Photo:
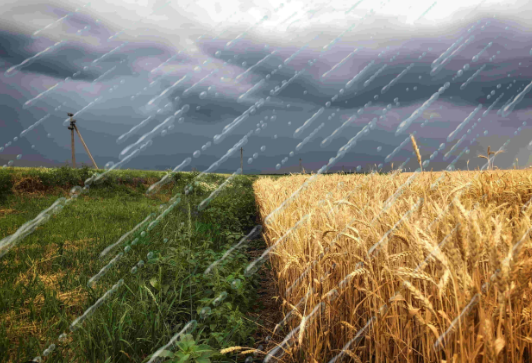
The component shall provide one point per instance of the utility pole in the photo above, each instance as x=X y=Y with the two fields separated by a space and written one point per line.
x=242 y=160
x=300 y=167
x=72 y=128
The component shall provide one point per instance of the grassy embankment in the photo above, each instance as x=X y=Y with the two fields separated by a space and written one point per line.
x=43 y=280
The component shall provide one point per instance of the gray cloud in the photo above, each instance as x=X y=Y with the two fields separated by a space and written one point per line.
x=126 y=72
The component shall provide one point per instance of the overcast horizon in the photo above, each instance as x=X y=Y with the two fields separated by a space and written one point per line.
x=303 y=80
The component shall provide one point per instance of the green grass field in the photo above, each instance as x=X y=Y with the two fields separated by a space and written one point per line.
x=43 y=279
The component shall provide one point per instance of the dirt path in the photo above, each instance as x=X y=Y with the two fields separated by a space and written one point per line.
x=270 y=312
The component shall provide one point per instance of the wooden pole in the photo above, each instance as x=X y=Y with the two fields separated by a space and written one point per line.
x=84 y=145
x=71 y=128
x=300 y=167
x=241 y=160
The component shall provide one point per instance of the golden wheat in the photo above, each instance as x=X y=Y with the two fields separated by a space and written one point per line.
x=428 y=276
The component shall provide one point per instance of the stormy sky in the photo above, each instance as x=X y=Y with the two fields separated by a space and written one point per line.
x=157 y=84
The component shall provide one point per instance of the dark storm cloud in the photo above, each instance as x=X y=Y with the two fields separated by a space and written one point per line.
x=394 y=46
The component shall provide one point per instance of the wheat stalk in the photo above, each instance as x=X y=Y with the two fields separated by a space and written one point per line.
x=494 y=153
x=231 y=349
x=416 y=149
x=409 y=272
x=352 y=355
x=443 y=282
x=302 y=330
x=419 y=296
x=250 y=351
x=398 y=256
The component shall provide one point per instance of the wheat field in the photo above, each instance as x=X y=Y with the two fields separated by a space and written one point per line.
x=445 y=278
